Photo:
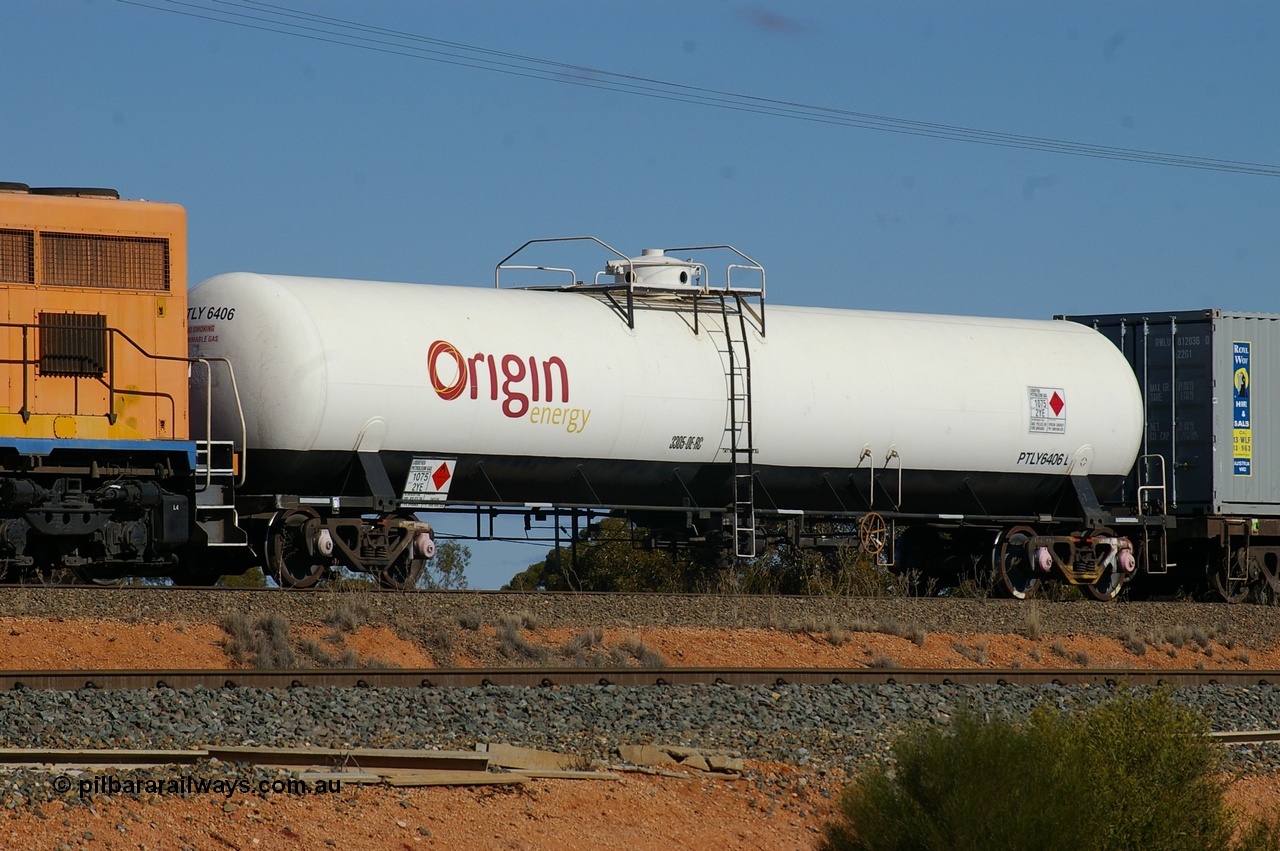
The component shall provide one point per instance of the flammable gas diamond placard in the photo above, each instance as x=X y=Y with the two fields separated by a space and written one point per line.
x=1048 y=410
x=428 y=480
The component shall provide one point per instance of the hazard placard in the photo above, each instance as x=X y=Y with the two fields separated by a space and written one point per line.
x=1048 y=410
x=428 y=480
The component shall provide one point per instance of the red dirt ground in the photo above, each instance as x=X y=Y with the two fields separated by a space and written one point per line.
x=637 y=811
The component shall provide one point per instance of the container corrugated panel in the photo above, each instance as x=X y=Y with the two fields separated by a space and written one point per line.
x=1209 y=382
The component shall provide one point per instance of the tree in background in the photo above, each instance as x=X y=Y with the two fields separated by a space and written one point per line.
x=447 y=569
x=611 y=556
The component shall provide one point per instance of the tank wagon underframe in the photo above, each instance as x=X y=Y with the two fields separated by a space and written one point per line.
x=682 y=506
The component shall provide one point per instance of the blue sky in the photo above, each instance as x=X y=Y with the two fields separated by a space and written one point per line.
x=303 y=157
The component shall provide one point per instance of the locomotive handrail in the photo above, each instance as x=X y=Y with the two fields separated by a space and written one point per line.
x=208 y=421
x=112 y=391
x=108 y=368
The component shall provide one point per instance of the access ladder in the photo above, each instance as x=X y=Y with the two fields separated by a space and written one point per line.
x=737 y=360
x=215 y=494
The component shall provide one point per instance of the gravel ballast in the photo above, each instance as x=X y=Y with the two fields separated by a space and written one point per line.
x=1247 y=624
x=818 y=727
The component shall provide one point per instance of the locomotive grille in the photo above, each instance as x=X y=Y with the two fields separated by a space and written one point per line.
x=111 y=262
x=17 y=257
x=73 y=345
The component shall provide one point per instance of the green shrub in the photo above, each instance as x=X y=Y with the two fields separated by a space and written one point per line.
x=1137 y=772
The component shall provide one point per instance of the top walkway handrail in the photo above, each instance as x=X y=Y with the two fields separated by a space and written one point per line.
x=573 y=278
x=728 y=272
x=627 y=262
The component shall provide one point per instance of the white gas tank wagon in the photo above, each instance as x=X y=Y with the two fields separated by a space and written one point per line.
x=690 y=404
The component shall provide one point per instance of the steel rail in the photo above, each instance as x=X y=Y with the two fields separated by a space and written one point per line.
x=64 y=680
x=1244 y=737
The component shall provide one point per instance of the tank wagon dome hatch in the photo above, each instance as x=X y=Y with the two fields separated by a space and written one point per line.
x=653 y=268
x=657 y=277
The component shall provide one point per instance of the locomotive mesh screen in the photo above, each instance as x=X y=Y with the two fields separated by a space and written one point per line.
x=113 y=262
x=16 y=257
x=73 y=345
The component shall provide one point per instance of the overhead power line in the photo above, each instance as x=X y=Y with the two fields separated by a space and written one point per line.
x=298 y=23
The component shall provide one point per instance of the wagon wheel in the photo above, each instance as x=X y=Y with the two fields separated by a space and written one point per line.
x=873 y=533
x=1231 y=581
x=1015 y=575
x=405 y=571
x=1108 y=585
x=291 y=559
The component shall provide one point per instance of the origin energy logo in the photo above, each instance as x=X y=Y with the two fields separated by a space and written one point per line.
x=526 y=386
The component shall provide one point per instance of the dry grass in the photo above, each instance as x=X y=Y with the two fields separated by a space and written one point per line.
x=1133 y=642
x=513 y=645
x=321 y=658
x=1034 y=628
x=976 y=653
x=586 y=649
x=348 y=616
x=840 y=634
x=437 y=638
x=644 y=655
x=263 y=643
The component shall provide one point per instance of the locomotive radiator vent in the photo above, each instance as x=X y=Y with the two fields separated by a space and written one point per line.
x=17 y=256
x=107 y=262
x=73 y=345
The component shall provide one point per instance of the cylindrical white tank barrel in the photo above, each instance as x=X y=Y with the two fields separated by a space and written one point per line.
x=331 y=366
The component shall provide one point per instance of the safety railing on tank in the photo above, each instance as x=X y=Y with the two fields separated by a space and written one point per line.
x=1149 y=485
x=105 y=374
x=873 y=472
x=699 y=288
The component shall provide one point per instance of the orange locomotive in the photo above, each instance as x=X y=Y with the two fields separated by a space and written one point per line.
x=97 y=471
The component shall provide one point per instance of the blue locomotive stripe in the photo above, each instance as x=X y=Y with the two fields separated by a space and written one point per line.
x=46 y=445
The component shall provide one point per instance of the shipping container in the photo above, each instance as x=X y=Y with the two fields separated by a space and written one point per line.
x=1212 y=419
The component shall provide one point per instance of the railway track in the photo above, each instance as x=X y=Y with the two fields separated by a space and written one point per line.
x=64 y=680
